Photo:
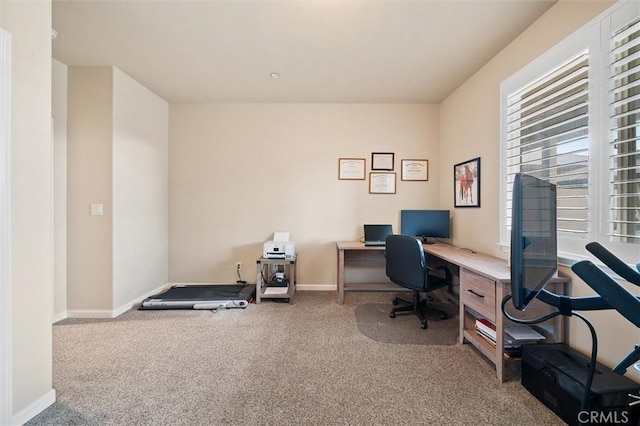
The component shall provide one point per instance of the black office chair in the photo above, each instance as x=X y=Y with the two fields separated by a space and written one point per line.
x=407 y=266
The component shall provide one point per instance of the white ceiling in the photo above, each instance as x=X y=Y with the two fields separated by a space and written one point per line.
x=324 y=50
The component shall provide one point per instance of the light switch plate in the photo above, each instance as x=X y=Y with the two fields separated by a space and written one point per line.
x=96 y=209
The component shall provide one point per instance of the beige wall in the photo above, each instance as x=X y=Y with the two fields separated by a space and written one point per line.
x=89 y=165
x=32 y=201
x=226 y=160
x=140 y=190
x=470 y=120
x=477 y=104
x=59 y=113
x=117 y=157
x=238 y=172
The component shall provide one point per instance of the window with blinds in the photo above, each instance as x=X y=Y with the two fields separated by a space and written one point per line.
x=547 y=136
x=624 y=152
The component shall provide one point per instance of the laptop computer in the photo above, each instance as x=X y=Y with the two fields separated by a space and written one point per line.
x=376 y=235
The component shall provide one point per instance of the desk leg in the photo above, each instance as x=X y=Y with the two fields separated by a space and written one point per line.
x=258 y=282
x=292 y=282
x=340 y=279
x=500 y=362
x=558 y=322
x=461 y=321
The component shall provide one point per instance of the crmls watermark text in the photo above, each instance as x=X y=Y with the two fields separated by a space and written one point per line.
x=600 y=417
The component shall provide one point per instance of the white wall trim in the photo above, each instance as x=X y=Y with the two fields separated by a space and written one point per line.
x=6 y=365
x=34 y=408
x=135 y=302
x=299 y=287
x=110 y=313
x=60 y=316
x=89 y=313
x=316 y=287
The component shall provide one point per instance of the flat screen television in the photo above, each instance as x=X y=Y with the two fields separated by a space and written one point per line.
x=425 y=224
x=534 y=241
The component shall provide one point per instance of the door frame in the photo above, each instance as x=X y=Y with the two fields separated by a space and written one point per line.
x=6 y=330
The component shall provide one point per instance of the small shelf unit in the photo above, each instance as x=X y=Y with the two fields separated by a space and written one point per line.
x=263 y=290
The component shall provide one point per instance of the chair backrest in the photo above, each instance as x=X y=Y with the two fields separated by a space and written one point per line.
x=406 y=264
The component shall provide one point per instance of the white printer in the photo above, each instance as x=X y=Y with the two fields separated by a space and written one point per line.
x=280 y=247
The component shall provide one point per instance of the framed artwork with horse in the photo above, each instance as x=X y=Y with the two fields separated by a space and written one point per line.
x=466 y=183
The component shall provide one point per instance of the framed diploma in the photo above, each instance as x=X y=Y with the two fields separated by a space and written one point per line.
x=351 y=168
x=415 y=170
x=382 y=161
x=382 y=183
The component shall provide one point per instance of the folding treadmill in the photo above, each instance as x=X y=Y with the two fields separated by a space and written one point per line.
x=215 y=296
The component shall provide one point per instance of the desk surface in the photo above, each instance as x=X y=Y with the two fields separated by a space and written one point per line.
x=482 y=264
x=356 y=245
x=488 y=266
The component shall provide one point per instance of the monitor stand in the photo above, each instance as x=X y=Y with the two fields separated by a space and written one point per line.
x=425 y=240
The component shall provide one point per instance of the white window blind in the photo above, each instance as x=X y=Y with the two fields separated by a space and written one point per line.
x=547 y=136
x=624 y=153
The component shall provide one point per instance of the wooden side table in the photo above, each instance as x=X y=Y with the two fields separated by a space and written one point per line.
x=264 y=268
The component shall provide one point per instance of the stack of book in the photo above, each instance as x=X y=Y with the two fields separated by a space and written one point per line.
x=515 y=335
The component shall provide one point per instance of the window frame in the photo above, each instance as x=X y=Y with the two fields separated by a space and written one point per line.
x=593 y=37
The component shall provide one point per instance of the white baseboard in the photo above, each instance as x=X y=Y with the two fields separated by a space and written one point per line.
x=169 y=285
x=107 y=313
x=299 y=287
x=34 y=408
x=112 y=313
x=316 y=287
x=136 y=301
x=89 y=313
x=60 y=316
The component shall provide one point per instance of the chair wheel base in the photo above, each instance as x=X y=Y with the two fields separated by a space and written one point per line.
x=418 y=307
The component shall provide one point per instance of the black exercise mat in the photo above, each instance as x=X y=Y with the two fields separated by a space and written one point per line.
x=190 y=294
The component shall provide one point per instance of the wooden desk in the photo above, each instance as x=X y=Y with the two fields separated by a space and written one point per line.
x=484 y=282
x=355 y=253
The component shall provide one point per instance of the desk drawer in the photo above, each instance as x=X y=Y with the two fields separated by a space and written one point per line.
x=479 y=293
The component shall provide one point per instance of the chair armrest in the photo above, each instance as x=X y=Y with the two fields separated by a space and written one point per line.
x=438 y=281
x=447 y=271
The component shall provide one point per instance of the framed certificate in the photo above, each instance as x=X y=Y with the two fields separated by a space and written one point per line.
x=382 y=161
x=351 y=168
x=382 y=183
x=415 y=170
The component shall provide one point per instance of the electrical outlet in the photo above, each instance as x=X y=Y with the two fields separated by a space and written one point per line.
x=238 y=266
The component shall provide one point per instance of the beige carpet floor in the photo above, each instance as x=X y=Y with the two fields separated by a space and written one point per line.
x=373 y=321
x=273 y=364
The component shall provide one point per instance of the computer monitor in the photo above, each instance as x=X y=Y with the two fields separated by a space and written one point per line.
x=425 y=224
x=534 y=244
